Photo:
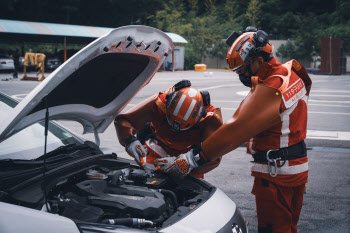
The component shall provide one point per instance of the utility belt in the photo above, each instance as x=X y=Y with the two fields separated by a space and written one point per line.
x=287 y=153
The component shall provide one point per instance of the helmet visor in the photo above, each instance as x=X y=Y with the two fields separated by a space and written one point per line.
x=241 y=69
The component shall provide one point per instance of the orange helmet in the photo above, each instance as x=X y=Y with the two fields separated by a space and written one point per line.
x=185 y=106
x=243 y=46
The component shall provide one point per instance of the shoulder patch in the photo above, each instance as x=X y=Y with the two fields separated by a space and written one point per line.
x=294 y=93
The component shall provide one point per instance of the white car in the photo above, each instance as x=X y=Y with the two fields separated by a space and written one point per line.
x=6 y=64
x=61 y=183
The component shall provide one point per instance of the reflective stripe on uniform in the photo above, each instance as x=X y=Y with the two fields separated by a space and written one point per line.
x=284 y=170
x=193 y=103
x=192 y=92
x=284 y=139
x=179 y=104
x=252 y=151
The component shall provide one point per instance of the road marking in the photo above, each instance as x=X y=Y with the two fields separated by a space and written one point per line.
x=330 y=135
x=326 y=105
x=340 y=91
x=214 y=87
x=234 y=109
x=346 y=96
x=244 y=93
x=322 y=101
x=330 y=101
x=330 y=149
x=227 y=101
x=331 y=113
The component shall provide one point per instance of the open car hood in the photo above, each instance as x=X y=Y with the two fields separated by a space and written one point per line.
x=94 y=85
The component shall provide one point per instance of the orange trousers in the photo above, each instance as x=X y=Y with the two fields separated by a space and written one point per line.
x=152 y=155
x=278 y=208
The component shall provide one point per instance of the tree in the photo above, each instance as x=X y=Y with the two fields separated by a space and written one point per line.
x=253 y=13
x=210 y=6
x=286 y=51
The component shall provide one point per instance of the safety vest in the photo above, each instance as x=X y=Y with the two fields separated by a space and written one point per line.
x=294 y=84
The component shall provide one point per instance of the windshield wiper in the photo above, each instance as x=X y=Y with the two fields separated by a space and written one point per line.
x=56 y=151
x=59 y=156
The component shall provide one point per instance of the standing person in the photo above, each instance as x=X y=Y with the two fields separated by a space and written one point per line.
x=179 y=119
x=272 y=119
x=15 y=57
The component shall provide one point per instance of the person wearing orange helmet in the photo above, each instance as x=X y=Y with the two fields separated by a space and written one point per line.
x=272 y=120
x=169 y=124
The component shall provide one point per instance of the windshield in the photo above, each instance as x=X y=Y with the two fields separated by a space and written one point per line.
x=29 y=143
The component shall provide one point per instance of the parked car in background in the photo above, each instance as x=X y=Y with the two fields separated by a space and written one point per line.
x=6 y=63
x=30 y=67
x=52 y=63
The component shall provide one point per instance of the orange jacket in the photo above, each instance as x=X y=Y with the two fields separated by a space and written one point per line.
x=290 y=130
x=172 y=143
x=276 y=92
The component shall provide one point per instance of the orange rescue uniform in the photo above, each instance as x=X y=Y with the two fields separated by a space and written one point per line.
x=279 y=199
x=167 y=142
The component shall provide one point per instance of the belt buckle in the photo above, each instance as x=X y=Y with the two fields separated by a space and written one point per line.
x=270 y=161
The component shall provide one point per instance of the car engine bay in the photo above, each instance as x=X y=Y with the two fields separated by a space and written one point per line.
x=128 y=197
x=112 y=191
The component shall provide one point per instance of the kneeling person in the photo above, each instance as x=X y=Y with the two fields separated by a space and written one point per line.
x=179 y=119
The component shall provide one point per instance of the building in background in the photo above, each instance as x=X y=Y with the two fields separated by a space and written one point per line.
x=24 y=32
x=178 y=55
x=333 y=59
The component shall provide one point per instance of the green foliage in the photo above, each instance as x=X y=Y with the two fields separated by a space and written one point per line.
x=286 y=51
x=219 y=49
x=254 y=13
x=192 y=57
x=210 y=6
x=202 y=22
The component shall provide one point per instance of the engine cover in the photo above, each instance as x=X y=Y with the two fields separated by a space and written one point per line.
x=135 y=200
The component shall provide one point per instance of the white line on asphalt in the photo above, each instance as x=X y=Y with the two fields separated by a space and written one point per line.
x=330 y=101
x=347 y=96
x=194 y=80
x=323 y=105
x=327 y=105
x=226 y=101
x=331 y=113
x=340 y=91
x=214 y=87
x=322 y=101
x=234 y=109
x=330 y=135
x=244 y=93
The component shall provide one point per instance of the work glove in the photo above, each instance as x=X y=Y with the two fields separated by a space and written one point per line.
x=136 y=150
x=183 y=164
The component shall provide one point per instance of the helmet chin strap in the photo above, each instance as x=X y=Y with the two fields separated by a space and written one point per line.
x=246 y=80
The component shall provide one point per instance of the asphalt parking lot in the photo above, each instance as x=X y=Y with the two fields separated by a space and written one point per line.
x=326 y=205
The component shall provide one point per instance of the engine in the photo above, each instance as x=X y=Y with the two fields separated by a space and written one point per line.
x=129 y=197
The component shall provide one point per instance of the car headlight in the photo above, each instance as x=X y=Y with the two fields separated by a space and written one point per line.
x=236 y=224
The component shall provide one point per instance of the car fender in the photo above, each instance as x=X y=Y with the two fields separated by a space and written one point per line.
x=14 y=219
x=211 y=216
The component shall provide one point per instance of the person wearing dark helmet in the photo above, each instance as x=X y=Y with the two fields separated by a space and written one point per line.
x=272 y=120
x=169 y=124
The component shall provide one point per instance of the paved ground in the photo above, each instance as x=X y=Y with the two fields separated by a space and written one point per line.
x=327 y=201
